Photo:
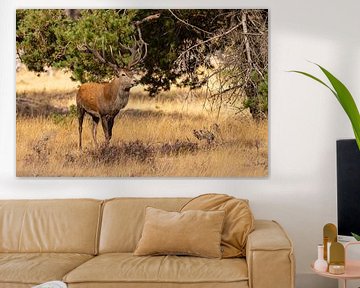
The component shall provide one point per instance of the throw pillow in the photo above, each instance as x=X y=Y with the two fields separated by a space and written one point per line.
x=196 y=233
x=238 y=223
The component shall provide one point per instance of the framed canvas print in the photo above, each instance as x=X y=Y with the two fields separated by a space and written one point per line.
x=142 y=92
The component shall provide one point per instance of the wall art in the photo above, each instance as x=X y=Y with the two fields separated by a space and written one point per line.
x=134 y=93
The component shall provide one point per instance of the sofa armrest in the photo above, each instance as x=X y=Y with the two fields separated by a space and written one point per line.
x=269 y=255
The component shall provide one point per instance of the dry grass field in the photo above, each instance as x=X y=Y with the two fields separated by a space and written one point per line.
x=151 y=136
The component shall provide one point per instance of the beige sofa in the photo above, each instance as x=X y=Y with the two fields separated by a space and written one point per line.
x=89 y=243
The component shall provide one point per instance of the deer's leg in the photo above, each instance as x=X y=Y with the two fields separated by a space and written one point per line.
x=110 y=126
x=94 y=128
x=104 y=122
x=81 y=114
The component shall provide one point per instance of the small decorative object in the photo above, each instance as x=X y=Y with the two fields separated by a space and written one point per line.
x=337 y=258
x=330 y=236
x=336 y=269
x=320 y=264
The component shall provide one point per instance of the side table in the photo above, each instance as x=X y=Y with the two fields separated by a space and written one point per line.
x=352 y=269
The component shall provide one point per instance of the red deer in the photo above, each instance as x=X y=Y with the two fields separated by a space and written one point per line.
x=103 y=101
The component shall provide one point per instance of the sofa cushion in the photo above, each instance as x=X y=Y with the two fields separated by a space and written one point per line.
x=126 y=268
x=123 y=220
x=63 y=226
x=193 y=232
x=238 y=223
x=36 y=268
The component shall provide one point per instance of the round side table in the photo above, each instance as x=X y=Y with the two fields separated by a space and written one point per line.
x=352 y=269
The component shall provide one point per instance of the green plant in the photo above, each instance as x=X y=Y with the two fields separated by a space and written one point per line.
x=356 y=236
x=65 y=118
x=344 y=97
x=257 y=96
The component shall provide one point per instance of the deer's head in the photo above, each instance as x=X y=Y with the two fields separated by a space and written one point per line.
x=126 y=78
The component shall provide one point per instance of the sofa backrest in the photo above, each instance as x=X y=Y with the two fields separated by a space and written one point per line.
x=123 y=220
x=67 y=226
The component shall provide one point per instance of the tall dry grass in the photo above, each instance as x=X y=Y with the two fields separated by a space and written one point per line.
x=151 y=137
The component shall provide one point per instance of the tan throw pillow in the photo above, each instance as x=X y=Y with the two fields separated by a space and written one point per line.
x=239 y=220
x=196 y=233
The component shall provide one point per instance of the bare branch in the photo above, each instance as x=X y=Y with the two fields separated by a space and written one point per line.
x=147 y=19
x=208 y=40
x=247 y=45
x=239 y=72
x=188 y=24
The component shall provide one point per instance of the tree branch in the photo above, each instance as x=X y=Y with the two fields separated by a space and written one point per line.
x=147 y=19
x=247 y=45
x=188 y=24
x=208 y=40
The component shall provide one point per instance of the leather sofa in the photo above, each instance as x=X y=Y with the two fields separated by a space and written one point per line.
x=89 y=243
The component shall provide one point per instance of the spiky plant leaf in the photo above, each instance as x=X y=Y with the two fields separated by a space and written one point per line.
x=356 y=236
x=344 y=97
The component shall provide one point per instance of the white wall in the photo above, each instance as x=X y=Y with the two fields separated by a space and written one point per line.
x=305 y=121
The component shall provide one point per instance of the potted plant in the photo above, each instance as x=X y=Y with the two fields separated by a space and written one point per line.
x=346 y=100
